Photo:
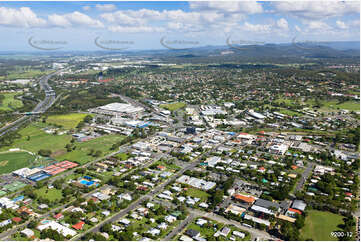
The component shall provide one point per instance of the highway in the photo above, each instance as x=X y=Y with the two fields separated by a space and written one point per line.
x=42 y=106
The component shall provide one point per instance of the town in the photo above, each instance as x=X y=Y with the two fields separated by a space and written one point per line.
x=216 y=144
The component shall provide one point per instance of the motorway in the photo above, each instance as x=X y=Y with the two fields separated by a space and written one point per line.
x=41 y=107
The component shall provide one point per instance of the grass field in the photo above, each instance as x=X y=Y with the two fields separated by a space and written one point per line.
x=173 y=106
x=50 y=194
x=333 y=105
x=103 y=144
x=319 y=225
x=9 y=102
x=197 y=193
x=68 y=121
x=39 y=140
x=56 y=143
x=12 y=161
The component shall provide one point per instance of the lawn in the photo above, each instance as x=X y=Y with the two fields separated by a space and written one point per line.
x=319 y=225
x=333 y=105
x=56 y=143
x=80 y=154
x=50 y=194
x=9 y=102
x=193 y=192
x=67 y=121
x=39 y=140
x=12 y=161
x=173 y=106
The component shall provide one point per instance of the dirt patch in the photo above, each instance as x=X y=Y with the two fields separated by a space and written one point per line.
x=58 y=153
x=4 y=162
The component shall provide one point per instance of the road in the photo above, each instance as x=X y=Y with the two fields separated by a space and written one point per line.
x=304 y=176
x=179 y=228
x=42 y=106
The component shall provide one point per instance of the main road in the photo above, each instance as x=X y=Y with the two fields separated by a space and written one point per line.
x=41 y=107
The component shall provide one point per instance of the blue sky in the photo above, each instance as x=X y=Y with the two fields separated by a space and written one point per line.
x=158 y=25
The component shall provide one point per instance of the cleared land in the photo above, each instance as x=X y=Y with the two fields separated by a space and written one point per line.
x=9 y=102
x=15 y=160
x=81 y=153
x=38 y=139
x=50 y=194
x=173 y=106
x=67 y=121
x=319 y=225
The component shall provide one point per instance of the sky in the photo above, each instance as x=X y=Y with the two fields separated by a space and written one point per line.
x=41 y=26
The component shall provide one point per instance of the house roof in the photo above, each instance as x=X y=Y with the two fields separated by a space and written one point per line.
x=59 y=215
x=78 y=225
x=16 y=219
x=266 y=204
x=192 y=232
x=244 y=198
x=295 y=210
x=299 y=204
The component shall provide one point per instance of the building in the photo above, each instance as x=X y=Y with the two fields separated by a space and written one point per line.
x=27 y=232
x=299 y=205
x=265 y=206
x=197 y=183
x=119 y=109
x=49 y=224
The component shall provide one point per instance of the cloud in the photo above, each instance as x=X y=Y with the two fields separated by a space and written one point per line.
x=282 y=24
x=74 y=19
x=22 y=17
x=245 y=7
x=105 y=7
x=316 y=10
x=341 y=24
x=86 y=8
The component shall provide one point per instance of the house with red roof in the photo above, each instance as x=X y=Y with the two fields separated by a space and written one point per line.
x=16 y=219
x=78 y=226
x=58 y=216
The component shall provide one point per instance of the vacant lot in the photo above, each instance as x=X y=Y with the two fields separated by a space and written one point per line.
x=68 y=121
x=9 y=102
x=193 y=192
x=81 y=153
x=173 y=106
x=50 y=194
x=34 y=138
x=319 y=225
x=12 y=161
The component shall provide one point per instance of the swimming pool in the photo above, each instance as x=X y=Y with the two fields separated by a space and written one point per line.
x=87 y=183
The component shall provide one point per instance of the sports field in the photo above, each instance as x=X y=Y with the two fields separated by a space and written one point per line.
x=319 y=225
x=68 y=121
x=173 y=106
x=12 y=161
x=9 y=102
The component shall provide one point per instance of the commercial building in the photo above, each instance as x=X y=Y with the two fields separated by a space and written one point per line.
x=119 y=109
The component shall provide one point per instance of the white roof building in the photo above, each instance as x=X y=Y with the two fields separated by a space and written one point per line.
x=65 y=231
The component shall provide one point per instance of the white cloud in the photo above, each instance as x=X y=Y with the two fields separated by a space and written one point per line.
x=86 y=8
x=316 y=10
x=246 y=7
x=22 y=17
x=74 y=19
x=341 y=24
x=282 y=24
x=105 y=7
